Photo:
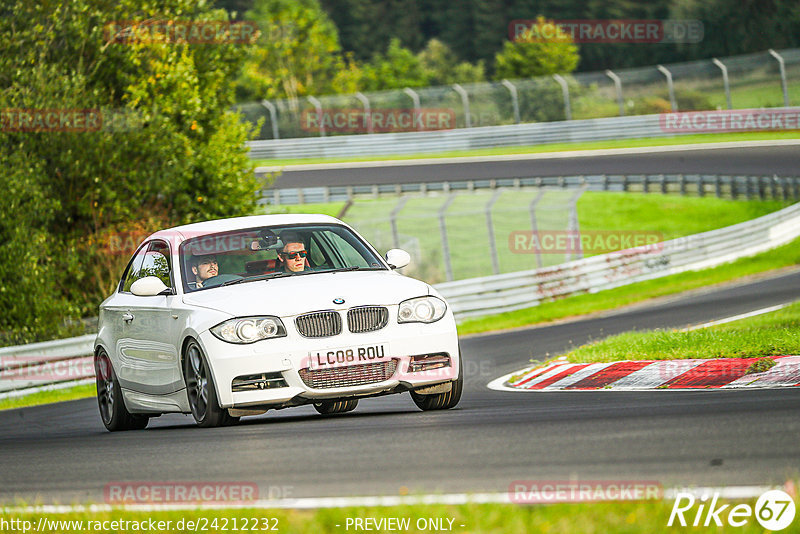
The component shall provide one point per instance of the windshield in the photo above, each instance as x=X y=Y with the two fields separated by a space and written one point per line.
x=241 y=256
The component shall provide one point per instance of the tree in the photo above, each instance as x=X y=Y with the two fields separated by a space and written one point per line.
x=152 y=143
x=443 y=68
x=398 y=68
x=297 y=54
x=546 y=49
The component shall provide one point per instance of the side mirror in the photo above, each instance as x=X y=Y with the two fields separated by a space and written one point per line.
x=398 y=258
x=149 y=286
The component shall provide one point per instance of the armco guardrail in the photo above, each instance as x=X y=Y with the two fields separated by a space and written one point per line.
x=489 y=136
x=50 y=362
x=459 y=139
x=53 y=362
x=514 y=291
x=721 y=186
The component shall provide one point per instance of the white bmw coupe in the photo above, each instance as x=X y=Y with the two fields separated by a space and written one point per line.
x=229 y=318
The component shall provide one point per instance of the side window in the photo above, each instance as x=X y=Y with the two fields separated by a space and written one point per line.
x=152 y=260
x=131 y=275
x=350 y=255
x=155 y=264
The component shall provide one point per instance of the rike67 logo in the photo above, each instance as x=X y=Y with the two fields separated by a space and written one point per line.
x=774 y=510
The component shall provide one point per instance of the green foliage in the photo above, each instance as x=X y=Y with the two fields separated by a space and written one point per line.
x=297 y=53
x=444 y=68
x=166 y=149
x=538 y=54
x=398 y=68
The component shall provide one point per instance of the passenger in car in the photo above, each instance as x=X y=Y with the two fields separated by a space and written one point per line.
x=293 y=254
x=203 y=268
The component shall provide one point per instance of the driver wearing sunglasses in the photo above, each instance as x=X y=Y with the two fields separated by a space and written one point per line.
x=293 y=255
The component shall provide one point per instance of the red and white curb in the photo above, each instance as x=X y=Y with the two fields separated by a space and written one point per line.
x=632 y=375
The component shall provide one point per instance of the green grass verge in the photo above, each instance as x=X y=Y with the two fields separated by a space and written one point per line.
x=785 y=256
x=772 y=334
x=554 y=147
x=588 y=518
x=46 y=397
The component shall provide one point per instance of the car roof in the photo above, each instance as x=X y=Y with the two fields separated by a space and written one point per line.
x=236 y=223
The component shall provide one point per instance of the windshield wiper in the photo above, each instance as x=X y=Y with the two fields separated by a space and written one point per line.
x=267 y=276
x=342 y=269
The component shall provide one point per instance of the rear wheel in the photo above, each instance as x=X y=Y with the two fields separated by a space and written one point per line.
x=201 y=391
x=113 y=412
x=339 y=406
x=442 y=401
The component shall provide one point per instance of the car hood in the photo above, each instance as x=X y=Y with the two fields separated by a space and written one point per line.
x=300 y=294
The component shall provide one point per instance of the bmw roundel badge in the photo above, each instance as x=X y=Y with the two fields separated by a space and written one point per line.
x=338 y=300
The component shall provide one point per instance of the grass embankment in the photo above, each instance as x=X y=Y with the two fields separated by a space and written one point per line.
x=46 y=397
x=619 y=517
x=785 y=256
x=772 y=334
x=554 y=147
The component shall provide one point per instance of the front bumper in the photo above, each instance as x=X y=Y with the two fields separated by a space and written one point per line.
x=289 y=355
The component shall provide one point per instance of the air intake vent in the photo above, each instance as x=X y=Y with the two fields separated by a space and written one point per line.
x=319 y=324
x=353 y=375
x=367 y=319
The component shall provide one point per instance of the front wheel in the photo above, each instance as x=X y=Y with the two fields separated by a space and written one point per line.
x=113 y=412
x=339 y=406
x=201 y=391
x=442 y=401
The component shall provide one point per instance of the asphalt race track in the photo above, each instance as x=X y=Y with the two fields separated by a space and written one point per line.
x=759 y=160
x=62 y=452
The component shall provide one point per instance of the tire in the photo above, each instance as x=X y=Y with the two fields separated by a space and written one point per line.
x=201 y=391
x=114 y=414
x=338 y=406
x=442 y=401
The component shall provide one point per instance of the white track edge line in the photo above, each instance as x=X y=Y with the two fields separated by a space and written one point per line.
x=737 y=317
x=307 y=503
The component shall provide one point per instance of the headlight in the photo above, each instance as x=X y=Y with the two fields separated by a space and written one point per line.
x=249 y=329
x=421 y=310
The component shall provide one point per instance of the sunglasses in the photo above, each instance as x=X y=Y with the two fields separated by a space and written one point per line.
x=294 y=255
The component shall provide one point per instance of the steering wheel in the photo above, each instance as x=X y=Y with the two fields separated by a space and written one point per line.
x=220 y=279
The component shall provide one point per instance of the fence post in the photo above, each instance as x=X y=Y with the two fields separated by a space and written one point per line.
x=443 y=231
x=464 y=102
x=717 y=186
x=782 y=67
x=318 y=106
x=618 y=86
x=514 y=99
x=415 y=99
x=535 y=227
x=273 y=117
x=573 y=225
x=682 y=181
x=367 y=110
x=724 y=70
x=490 y=229
x=393 y=220
x=564 y=91
x=673 y=104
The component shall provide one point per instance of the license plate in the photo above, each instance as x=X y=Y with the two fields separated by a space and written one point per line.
x=342 y=357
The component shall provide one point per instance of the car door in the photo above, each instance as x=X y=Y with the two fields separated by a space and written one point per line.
x=146 y=350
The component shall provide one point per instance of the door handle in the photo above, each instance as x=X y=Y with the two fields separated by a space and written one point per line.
x=127 y=317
